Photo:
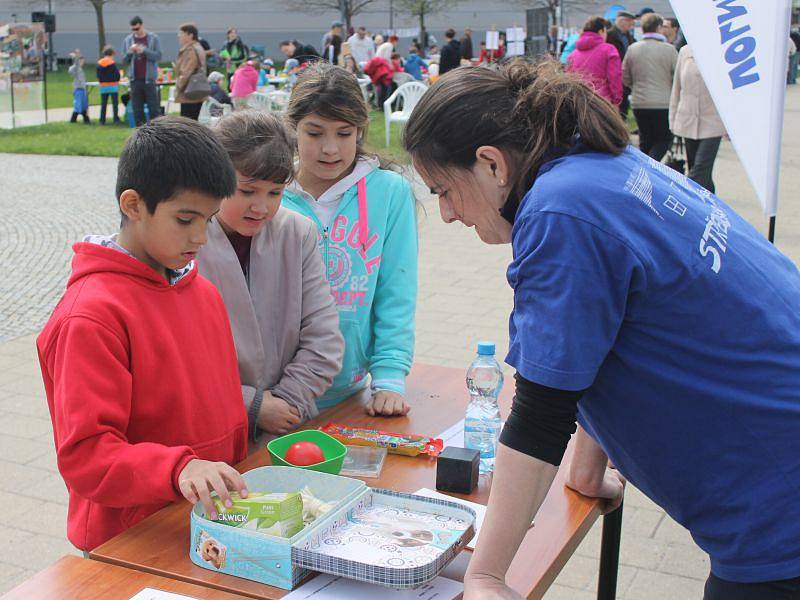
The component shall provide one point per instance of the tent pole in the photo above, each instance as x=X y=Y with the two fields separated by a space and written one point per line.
x=771 y=236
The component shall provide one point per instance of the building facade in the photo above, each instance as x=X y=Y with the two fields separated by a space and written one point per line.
x=267 y=22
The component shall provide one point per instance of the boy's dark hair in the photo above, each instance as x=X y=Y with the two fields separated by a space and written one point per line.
x=450 y=34
x=259 y=145
x=285 y=43
x=172 y=155
x=108 y=50
x=191 y=29
x=137 y=20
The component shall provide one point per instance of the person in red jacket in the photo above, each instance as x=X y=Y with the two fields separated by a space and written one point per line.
x=138 y=359
x=597 y=61
x=380 y=71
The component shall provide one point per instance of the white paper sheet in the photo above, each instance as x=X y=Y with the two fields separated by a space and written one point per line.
x=454 y=436
x=515 y=49
x=331 y=587
x=153 y=594
x=492 y=40
x=515 y=34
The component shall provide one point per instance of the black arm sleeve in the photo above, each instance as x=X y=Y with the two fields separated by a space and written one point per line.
x=542 y=420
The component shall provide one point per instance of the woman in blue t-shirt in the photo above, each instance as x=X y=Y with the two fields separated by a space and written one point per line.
x=645 y=310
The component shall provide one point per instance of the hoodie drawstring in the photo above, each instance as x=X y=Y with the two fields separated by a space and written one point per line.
x=363 y=216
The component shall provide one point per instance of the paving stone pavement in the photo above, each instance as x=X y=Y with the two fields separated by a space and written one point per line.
x=46 y=203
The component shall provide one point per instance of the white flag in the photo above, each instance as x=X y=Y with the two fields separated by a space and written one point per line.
x=741 y=48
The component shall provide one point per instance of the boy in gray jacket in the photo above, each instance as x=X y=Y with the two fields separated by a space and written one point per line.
x=80 y=99
x=264 y=261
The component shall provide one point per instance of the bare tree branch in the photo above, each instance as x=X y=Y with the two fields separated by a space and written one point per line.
x=584 y=6
x=422 y=9
x=98 y=6
x=347 y=9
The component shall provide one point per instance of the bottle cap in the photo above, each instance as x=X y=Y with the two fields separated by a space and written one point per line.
x=486 y=348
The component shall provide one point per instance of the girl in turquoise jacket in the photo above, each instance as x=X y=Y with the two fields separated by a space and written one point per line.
x=368 y=237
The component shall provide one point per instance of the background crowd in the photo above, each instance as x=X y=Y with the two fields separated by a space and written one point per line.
x=655 y=76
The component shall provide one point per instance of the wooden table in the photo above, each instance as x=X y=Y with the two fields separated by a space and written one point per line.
x=438 y=398
x=73 y=577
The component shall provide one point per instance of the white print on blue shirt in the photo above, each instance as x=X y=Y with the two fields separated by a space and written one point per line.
x=714 y=239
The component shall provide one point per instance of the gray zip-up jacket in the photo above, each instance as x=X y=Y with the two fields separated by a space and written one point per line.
x=78 y=76
x=284 y=321
x=152 y=53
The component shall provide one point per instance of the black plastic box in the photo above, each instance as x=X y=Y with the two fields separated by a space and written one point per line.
x=457 y=470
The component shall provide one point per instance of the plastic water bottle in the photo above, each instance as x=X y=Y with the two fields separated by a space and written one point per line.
x=482 y=422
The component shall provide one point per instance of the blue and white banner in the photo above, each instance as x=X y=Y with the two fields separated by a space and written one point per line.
x=741 y=48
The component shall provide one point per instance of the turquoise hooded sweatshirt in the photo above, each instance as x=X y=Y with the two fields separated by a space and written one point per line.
x=370 y=253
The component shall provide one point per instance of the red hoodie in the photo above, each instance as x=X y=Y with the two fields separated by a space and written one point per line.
x=141 y=377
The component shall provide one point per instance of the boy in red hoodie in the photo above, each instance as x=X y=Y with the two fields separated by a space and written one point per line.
x=138 y=358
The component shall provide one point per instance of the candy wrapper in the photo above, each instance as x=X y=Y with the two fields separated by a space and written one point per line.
x=408 y=444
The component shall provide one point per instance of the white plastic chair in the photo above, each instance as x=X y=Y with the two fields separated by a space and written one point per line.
x=409 y=93
x=206 y=118
x=170 y=99
x=364 y=83
x=279 y=100
x=401 y=77
x=260 y=101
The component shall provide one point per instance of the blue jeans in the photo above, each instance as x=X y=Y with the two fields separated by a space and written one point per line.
x=701 y=154
x=794 y=60
x=144 y=92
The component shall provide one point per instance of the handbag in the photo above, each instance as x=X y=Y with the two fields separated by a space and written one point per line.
x=198 y=87
x=676 y=156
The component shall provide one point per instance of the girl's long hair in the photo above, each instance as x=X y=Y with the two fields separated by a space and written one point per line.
x=333 y=93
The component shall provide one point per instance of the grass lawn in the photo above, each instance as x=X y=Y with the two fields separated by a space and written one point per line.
x=77 y=139
x=59 y=88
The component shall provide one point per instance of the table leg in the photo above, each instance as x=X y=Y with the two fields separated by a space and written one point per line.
x=609 y=555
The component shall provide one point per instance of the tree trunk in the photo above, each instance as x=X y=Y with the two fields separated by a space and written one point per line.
x=423 y=35
x=101 y=26
x=344 y=9
x=553 y=4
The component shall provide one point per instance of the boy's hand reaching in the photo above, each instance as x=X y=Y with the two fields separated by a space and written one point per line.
x=277 y=416
x=386 y=403
x=200 y=477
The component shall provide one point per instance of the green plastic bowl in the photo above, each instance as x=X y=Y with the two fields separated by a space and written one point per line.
x=333 y=450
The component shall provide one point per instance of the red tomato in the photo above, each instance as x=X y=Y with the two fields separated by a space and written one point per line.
x=303 y=454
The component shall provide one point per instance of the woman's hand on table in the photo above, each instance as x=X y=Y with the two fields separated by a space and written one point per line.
x=277 y=416
x=592 y=474
x=200 y=477
x=386 y=403
x=611 y=488
x=484 y=587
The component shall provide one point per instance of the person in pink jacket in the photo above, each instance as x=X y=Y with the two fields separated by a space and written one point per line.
x=244 y=83
x=597 y=61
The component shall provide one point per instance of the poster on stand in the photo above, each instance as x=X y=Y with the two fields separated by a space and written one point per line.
x=23 y=48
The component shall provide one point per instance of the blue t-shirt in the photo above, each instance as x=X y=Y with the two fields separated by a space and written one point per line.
x=683 y=322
